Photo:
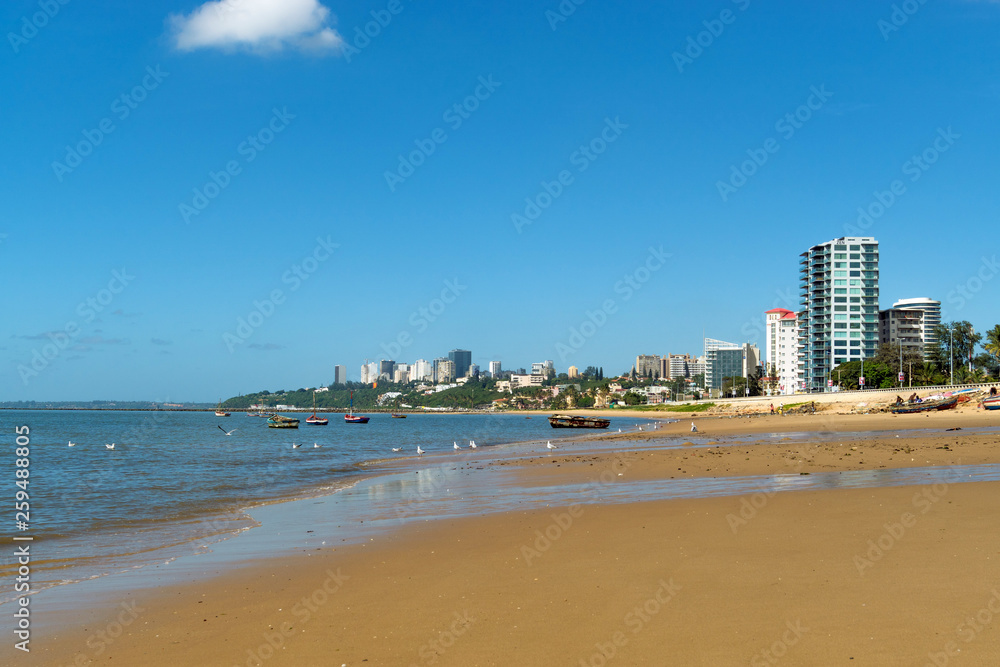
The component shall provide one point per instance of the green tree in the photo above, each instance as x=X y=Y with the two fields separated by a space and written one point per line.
x=992 y=345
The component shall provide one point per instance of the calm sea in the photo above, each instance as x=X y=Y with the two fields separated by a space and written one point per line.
x=175 y=483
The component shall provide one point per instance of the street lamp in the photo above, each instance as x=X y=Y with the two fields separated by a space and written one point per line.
x=951 y=352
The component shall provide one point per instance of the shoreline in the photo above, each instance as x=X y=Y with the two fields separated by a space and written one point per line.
x=575 y=465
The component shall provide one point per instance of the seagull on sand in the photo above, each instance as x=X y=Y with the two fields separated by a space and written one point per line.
x=472 y=444
x=225 y=431
x=419 y=451
x=640 y=428
x=455 y=445
x=549 y=445
x=72 y=444
x=111 y=446
x=397 y=449
x=694 y=429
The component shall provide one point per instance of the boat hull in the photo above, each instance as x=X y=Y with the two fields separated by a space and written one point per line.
x=317 y=421
x=926 y=406
x=992 y=403
x=573 y=421
x=280 y=421
x=355 y=419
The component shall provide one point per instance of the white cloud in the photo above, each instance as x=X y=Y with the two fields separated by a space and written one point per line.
x=258 y=25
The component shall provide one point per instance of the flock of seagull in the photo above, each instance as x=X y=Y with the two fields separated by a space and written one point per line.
x=420 y=451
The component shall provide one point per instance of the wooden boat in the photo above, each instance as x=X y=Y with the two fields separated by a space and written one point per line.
x=351 y=418
x=576 y=421
x=314 y=420
x=281 y=421
x=991 y=402
x=219 y=412
x=926 y=406
x=395 y=416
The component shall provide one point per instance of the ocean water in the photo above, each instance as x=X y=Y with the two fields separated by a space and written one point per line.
x=175 y=483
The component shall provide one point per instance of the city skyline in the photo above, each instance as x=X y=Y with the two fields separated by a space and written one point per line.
x=209 y=211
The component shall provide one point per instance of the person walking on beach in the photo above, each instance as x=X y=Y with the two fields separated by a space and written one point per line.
x=772 y=408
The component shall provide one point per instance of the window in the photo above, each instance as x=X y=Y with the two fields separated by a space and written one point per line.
x=839 y=282
x=840 y=317
x=854 y=274
x=841 y=291
x=855 y=265
x=840 y=299
x=855 y=247
x=840 y=325
x=840 y=265
x=840 y=334
x=839 y=308
x=840 y=274
x=856 y=291
x=840 y=255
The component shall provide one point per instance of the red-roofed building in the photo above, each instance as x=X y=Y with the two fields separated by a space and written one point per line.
x=781 y=357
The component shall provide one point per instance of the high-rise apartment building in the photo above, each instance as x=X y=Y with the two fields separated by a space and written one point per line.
x=782 y=350
x=931 y=310
x=495 y=369
x=462 y=360
x=385 y=369
x=444 y=370
x=572 y=372
x=839 y=284
x=648 y=365
x=340 y=375
x=421 y=370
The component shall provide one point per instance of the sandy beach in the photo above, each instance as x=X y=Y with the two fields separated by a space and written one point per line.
x=906 y=575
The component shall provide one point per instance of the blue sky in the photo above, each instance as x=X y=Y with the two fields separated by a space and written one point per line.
x=301 y=120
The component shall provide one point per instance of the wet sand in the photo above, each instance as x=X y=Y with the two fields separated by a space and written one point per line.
x=882 y=576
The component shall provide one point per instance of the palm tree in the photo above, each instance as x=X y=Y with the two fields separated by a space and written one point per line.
x=993 y=341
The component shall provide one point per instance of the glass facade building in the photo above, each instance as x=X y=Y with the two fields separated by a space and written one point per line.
x=838 y=283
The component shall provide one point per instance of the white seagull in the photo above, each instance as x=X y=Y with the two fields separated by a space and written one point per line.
x=316 y=446
x=694 y=429
x=550 y=445
x=111 y=446
x=472 y=444
x=619 y=430
x=72 y=444
x=225 y=431
x=397 y=449
x=294 y=446
x=640 y=428
x=419 y=451
x=455 y=445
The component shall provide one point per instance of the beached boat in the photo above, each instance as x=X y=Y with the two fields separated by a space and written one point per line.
x=281 y=421
x=991 y=402
x=313 y=419
x=219 y=412
x=351 y=418
x=925 y=406
x=576 y=421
